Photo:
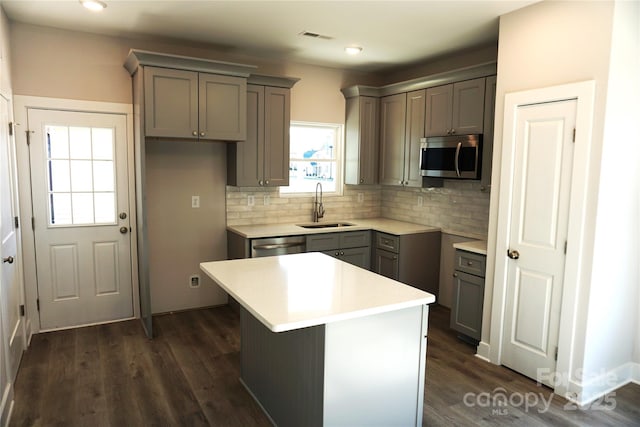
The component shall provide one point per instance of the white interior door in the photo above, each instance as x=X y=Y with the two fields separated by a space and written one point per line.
x=11 y=292
x=542 y=162
x=81 y=213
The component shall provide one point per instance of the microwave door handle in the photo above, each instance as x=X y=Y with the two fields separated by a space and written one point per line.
x=458 y=158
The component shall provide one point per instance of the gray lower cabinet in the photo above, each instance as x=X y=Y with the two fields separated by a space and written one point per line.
x=468 y=293
x=263 y=158
x=413 y=259
x=353 y=247
x=190 y=104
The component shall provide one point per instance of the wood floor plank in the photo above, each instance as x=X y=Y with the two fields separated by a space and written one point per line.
x=112 y=375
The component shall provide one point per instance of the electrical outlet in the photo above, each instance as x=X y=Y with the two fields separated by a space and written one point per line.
x=251 y=200
x=194 y=281
x=267 y=200
x=420 y=201
x=360 y=197
x=195 y=201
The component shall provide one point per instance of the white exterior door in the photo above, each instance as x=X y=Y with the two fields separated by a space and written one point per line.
x=81 y=211
x=542 y=166
x=11 y=292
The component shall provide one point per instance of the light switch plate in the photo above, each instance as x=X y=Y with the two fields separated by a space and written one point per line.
x=195 y=201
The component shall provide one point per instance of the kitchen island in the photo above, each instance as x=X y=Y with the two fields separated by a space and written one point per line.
x=326 y=343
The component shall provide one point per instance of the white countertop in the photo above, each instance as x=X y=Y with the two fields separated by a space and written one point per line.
x=289 y=292
x=384 y=225
x=475 y=246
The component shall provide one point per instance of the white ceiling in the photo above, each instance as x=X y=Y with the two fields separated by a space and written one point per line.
x=392 y=33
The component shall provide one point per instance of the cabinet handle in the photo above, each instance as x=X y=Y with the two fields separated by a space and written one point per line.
x=453 y=131
x=202 y=134
x=341 y=252
x=361 y=180
x=455 y=274
x=337 y=253
x=266 y=182
x=395 y=257
x=260 y=183
x=469 y=263
x=194 y=133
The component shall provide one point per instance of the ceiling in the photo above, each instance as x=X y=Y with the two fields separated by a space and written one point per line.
x=392 y=33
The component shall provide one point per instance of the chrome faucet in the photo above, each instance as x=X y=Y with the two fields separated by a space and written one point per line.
x=318 y=208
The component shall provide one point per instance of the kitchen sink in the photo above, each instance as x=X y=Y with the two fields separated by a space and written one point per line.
x=325 y=225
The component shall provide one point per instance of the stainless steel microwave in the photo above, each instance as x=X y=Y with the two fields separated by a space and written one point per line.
x=453 y=156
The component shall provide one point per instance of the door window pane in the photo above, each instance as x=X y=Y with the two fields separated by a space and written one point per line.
x=81 y=175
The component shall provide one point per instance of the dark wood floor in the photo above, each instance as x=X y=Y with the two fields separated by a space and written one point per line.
x=111 y=375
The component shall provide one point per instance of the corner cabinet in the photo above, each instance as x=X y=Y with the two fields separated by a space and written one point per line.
x=456 y=108
x=262 y=159
x=361 y=143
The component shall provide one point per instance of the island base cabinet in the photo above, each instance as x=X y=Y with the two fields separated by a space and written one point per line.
x=364 y=371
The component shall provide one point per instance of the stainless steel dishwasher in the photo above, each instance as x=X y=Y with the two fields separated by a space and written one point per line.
x=278 y=246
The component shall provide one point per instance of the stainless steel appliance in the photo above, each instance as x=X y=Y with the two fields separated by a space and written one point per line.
x=453 y=156
x=278 y=246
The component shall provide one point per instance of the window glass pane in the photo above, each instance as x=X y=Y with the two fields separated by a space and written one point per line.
x=57 y=142
x=102 y=143
x=59 y=179
x=80 y=143
x=105 y=207
x=82 y=205
x=60 y=208
x=81 y=175
x=314 y=155
x=103 y=176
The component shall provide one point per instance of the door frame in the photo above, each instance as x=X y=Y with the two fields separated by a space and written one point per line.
x=21 y=104
x=580 y=241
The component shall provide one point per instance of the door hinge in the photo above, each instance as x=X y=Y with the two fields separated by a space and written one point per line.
x=10 y=128
x=574 y=134
x=565 y=247
x=28 y=137
x=22 y=310
x=38 y=304
x=556 y=355
x=33 y=223
x=16 y=222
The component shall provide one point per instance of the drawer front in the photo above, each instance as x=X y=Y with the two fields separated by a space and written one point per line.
x=470 y=263
x=388 y=242
x=323 y=242
x=355 y=239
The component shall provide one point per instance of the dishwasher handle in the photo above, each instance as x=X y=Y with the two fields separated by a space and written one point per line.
x=269 y=246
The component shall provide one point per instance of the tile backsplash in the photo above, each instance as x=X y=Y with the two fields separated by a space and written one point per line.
x=458 y=208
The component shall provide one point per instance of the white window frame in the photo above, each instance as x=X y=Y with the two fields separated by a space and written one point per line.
x=338 y=156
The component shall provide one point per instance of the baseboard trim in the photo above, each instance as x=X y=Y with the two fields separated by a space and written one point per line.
x=592 y=391
x=482 y=351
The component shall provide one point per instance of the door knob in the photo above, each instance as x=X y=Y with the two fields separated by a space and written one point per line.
x=8 y=259
x=513 y=254
x=124 y=230
x=123 y=215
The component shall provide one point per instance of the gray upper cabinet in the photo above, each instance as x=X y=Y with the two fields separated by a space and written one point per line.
x=189 y=104
x=456 y=108
x=401 y=127
x=393 y=113
x=361 y=144
x=263 y=158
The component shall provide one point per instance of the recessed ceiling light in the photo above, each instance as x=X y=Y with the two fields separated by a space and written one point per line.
x=353 y=50
x=93 y=5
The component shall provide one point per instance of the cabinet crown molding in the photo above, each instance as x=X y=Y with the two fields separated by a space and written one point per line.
x=439 y=79
x=137 y=57
x=273 y=81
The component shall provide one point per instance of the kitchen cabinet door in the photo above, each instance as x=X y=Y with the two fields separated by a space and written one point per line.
x=393 y=111
x=277 y=106
x=171 y=103
x=456 y=108
x=222 y=107
x=466 y=311
x=439 y=110
x=360 y=257
x=386 y=263
x=414 y=131
x=468 y=107
x=245 y=164
x=361 y=143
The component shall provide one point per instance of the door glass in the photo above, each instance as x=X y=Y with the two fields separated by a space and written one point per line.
x=81 y=174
